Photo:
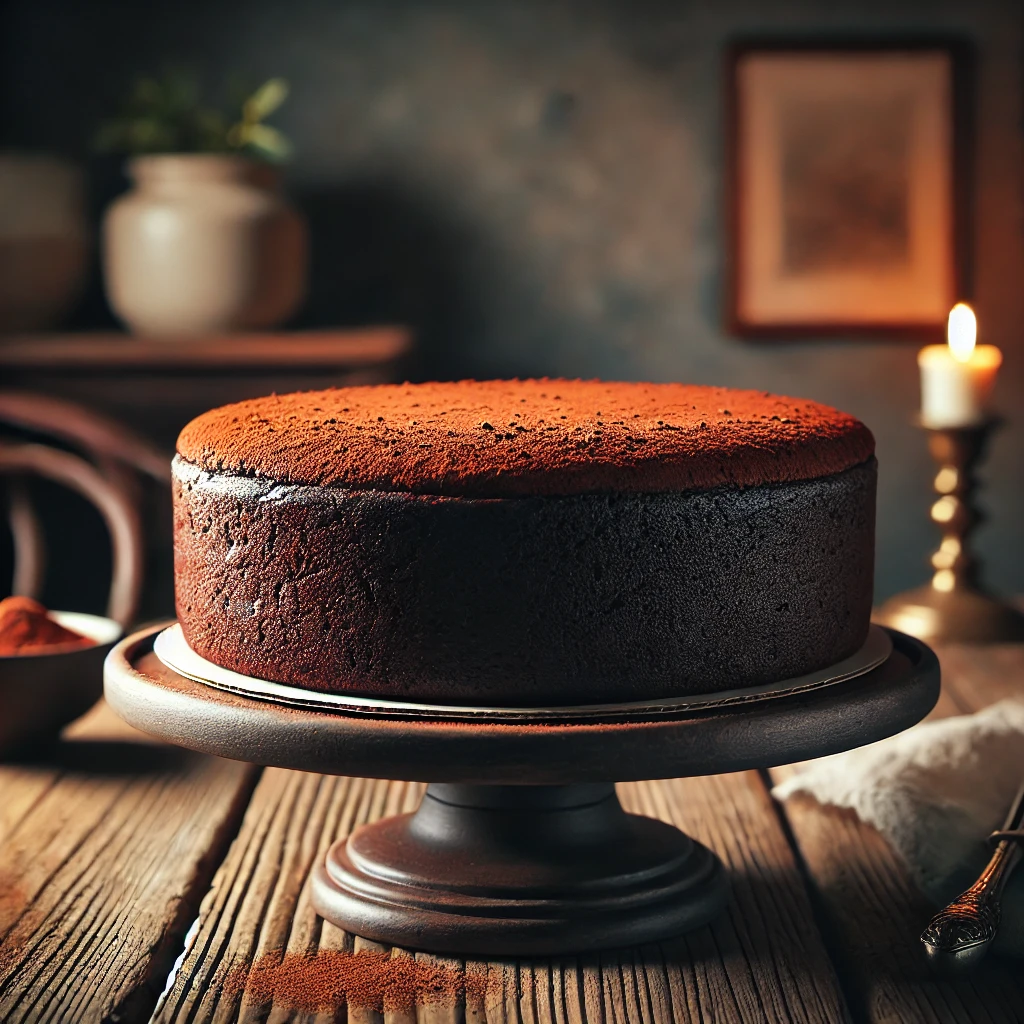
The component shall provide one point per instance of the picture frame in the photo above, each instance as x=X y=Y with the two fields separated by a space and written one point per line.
x=848 y=167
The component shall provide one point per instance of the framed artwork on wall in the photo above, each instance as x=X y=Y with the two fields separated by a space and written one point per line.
x=845 y=186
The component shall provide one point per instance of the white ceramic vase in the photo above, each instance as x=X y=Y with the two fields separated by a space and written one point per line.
x=203 y=244
x=44 y=241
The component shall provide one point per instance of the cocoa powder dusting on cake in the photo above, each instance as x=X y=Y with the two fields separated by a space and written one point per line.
x=25 y=625
x=495 y=439
x=332 y=978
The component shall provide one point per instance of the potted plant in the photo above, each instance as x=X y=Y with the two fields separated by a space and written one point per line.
x=205 y=240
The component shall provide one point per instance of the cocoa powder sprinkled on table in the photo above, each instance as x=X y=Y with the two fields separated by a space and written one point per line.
x=13 y=900
x=374 y=980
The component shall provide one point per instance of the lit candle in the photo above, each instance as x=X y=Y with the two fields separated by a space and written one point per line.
x=957 y=378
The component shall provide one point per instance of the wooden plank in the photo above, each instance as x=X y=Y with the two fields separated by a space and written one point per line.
x=875 y=913
x=764 y=960
x=107 y=844
x=343 y=348
x=261 y=953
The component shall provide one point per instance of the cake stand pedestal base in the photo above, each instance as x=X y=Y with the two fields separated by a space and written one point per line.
x=520 y=846
x=540 y=869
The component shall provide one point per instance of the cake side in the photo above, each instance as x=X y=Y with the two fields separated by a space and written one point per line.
x=492 y=439
x=517 y=601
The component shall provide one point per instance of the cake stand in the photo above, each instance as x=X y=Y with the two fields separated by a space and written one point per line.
x=520 y=846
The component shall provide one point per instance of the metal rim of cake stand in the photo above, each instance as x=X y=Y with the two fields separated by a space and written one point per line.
x=520 y=846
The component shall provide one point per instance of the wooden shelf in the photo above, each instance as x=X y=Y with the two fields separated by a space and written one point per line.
x=296 y=351
x=157 y=386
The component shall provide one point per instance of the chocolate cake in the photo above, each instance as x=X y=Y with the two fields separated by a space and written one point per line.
x=520 y=543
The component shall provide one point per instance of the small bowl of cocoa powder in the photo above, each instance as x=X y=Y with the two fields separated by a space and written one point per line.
x=51 y=670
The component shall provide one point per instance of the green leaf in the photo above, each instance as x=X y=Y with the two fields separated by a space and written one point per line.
x=236 y=136
x=265 y=100
x=268 y=142
x=208 y=131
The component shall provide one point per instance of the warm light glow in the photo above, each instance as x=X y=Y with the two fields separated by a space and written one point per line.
x=962 y=331
x=944 y=509
x=946 y=480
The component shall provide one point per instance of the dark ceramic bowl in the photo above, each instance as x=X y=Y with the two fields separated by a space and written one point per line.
x=42 y=692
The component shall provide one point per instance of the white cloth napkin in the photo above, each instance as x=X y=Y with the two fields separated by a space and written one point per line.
x=935 y=792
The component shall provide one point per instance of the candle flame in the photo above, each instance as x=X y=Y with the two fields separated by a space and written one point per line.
x=962 y=331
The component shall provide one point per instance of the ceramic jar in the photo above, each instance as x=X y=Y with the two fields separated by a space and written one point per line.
x=44 y=241
x=203 y=244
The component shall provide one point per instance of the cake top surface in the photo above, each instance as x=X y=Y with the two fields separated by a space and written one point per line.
x=515 y=438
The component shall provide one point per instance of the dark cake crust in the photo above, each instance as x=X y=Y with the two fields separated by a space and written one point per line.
x=527 y=600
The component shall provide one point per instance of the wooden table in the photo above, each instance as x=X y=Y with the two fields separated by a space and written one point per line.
x=121 y=860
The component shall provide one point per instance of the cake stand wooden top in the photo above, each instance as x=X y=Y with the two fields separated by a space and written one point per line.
x=777 y=730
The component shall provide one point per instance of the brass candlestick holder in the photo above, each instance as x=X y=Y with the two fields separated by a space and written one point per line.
x=955 y=607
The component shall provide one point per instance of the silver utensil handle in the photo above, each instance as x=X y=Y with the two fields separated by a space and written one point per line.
x=958 y=936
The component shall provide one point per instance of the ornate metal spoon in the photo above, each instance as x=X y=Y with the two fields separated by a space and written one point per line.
x=958 y=937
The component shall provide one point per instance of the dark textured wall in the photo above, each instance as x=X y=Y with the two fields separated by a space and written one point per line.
x=538 y=187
